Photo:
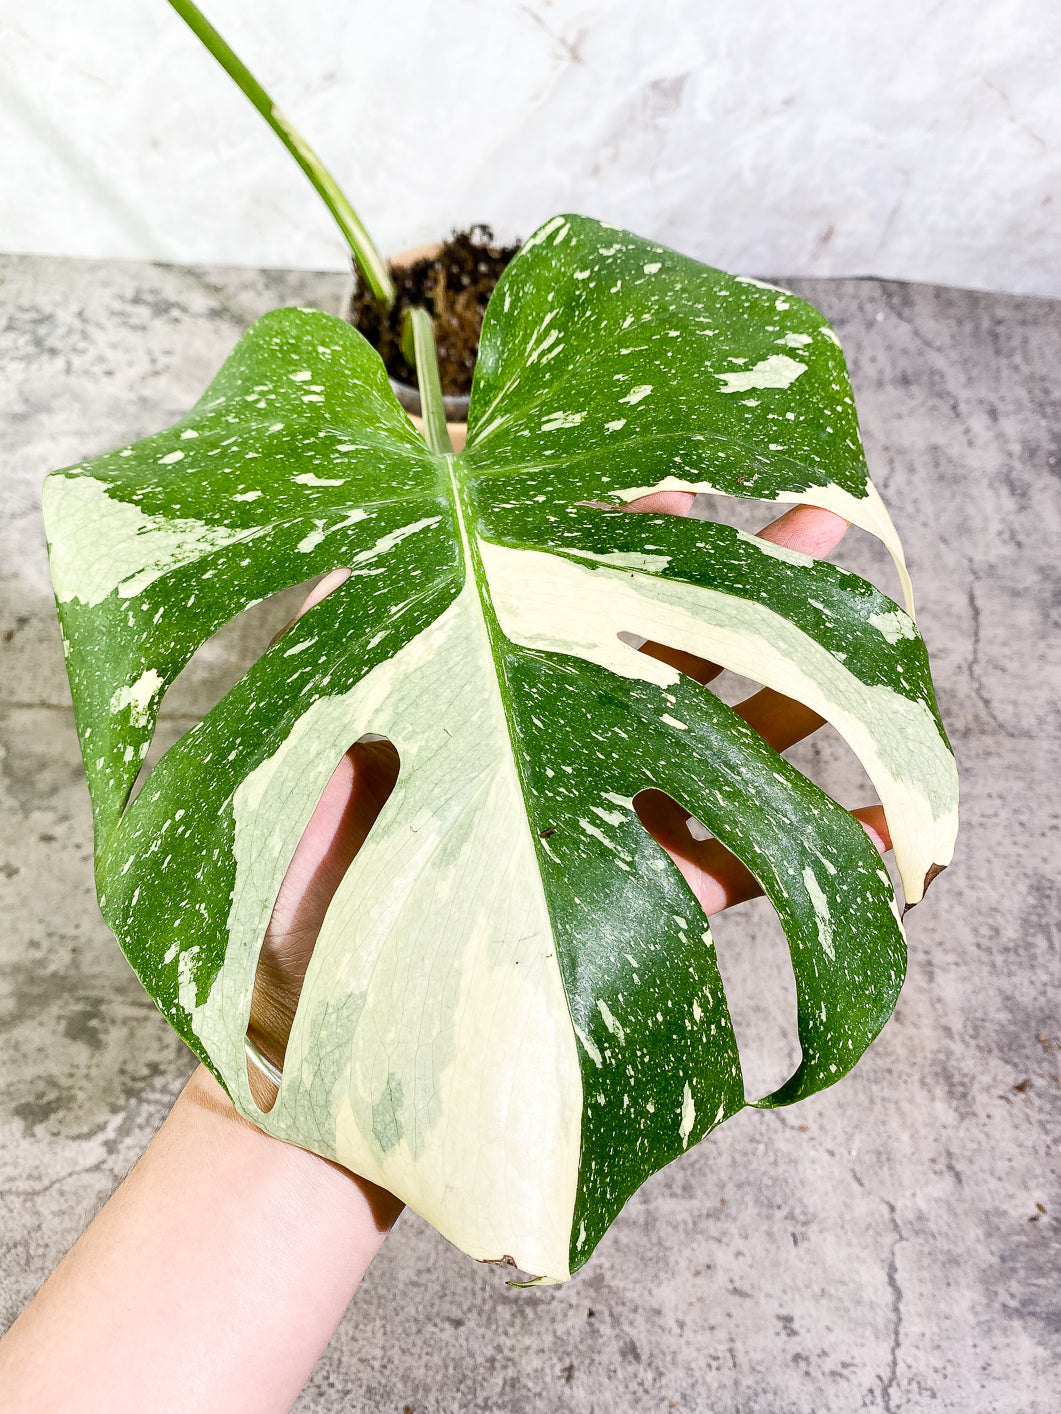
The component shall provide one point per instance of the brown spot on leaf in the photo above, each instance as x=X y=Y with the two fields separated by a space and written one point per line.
x=934 y=871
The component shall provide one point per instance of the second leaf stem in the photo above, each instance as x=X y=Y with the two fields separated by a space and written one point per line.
x=425 y=356
x=370 y=263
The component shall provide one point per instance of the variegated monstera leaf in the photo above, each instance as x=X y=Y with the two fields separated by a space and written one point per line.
x=513 y=1014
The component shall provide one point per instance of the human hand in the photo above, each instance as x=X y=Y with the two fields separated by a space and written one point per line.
x=717 y=878
x=349 y=805
x=364 y=778
x=286 y=1235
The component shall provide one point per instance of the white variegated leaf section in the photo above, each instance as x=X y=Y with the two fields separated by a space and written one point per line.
x=465 y=988
x=547 y=602
x=868 y=512
x=99 y=544
x=459 y=1088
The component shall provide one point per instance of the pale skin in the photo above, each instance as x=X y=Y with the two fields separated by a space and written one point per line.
x=215 y=1276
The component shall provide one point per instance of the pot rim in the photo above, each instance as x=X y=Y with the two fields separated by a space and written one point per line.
x=454 y=406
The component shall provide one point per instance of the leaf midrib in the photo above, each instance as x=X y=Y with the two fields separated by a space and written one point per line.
x=492 y=632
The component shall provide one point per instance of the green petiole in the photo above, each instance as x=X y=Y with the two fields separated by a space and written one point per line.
x=418 y=338
x=370 y=263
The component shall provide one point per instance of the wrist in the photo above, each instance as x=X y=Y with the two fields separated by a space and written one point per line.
x=204 y=1108
x=212 y=1279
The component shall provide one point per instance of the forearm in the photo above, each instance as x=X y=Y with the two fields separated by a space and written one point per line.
x=212 y=1279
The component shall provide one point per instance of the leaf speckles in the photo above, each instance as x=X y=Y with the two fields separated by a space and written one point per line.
x=514 y=1014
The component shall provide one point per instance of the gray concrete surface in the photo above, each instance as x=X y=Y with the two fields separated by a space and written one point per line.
x=890 y=1245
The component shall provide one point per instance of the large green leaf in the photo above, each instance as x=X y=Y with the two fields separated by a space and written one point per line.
x=513 y=1014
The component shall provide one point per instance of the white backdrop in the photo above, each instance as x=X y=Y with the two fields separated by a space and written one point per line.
x=917 y=139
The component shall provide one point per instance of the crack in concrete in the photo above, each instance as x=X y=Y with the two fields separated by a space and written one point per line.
x=62 y=1178
x=888 y=1387
x=974 y=664
x=890 y=1383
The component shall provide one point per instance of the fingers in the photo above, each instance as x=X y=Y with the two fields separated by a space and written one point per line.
x=663 y=503
x=808 y=529
x=717 y=878
x=320 y=590
x=871 y=818
x=348 y=808
x=781 y=721
x=699 y=669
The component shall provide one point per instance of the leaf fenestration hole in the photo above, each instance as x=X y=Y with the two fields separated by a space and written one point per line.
x=811 y=744
x=348 y=808
x=223 y=659
x=752 y=951
x=859 y=551
x=753 y=957
x=699 y=669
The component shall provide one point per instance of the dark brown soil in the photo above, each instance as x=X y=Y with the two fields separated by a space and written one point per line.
x=454 y=289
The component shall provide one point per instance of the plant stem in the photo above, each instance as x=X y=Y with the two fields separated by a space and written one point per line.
x=436 y=433
x=370 y=263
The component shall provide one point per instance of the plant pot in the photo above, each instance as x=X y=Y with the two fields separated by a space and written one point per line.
x=456 y=408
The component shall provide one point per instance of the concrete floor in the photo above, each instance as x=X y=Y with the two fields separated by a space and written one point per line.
x=892 y=1244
